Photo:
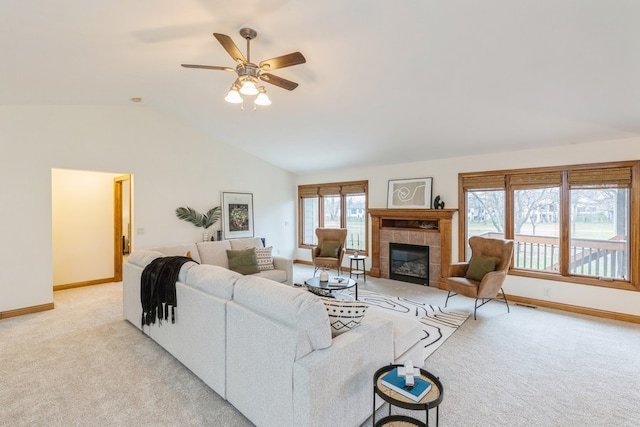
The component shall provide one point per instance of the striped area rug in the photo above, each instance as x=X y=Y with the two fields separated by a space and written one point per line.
x=438 y=323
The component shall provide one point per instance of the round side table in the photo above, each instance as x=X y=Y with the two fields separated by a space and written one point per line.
x=358 y=270
x=431 y=400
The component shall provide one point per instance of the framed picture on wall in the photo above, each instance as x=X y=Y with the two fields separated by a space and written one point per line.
x=237 y=214
x=414 y=193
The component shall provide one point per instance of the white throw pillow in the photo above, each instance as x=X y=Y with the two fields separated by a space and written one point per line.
x=265 y=259
x=344 y=315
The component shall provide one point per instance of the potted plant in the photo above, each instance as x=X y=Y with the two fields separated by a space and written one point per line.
x=200 y=220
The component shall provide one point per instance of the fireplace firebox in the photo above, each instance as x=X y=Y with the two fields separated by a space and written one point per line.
x=409 y=263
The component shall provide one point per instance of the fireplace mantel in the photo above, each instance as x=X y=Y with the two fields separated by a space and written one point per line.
x=430 y=227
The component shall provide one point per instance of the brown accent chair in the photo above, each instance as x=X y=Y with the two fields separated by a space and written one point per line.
x=330 y=249
x=481 y=281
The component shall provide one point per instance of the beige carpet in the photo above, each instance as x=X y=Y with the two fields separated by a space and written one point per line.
x=81 y=365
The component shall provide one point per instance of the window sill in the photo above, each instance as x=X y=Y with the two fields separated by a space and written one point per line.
x=580 y=280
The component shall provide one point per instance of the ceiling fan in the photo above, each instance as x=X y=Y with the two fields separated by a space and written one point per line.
x=249 y=73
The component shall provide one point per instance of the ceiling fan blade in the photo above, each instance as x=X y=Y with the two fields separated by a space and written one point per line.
x=289 y=60
x=208 y=67
x=278 y=81
x=231 y=48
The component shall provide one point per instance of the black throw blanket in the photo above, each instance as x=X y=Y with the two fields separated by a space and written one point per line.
x=158 y=288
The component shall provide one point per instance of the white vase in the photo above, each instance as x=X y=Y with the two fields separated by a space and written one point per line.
x=205 y=236
x=324 y=276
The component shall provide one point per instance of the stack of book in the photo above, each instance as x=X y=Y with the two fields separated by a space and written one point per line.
x=397 y=383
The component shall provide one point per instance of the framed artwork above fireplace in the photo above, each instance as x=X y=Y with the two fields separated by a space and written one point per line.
x=414 y=193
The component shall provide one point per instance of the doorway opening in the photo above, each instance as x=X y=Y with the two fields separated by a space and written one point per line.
x=89 y=209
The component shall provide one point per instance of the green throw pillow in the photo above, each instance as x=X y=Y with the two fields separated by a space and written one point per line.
x=244 y=261
x=329 y=249
x=479 y=266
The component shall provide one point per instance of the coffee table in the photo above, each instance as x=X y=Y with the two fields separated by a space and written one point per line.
x=333 y=284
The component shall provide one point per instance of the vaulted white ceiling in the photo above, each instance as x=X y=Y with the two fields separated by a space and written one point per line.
x=385 y=81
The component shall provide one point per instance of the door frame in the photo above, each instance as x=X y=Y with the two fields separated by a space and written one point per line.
x=118 y=182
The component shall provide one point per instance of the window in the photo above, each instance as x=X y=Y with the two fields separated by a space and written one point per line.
x=536 y=228
x=599 y=225
x=334 y=205
x=536 y=238
x=485 y=203
x=309 y=207
x=571 y=223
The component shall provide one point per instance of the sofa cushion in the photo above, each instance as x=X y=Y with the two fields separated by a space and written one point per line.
x=344 y=315
x=143 y=258
x=214 y=253
x=250 y=242
x=212 y=279
x=243 y=261
x=406 y=331
x=264 y=257
x=276 y=275
x=329 y=249
x=479 y=266
x=181 y=250
x=291 y=306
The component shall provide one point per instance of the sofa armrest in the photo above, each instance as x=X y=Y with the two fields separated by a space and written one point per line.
x=285 y=264
x=333 y=386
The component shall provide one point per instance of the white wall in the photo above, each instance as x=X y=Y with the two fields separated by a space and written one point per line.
x=82 y=225
x=445 y=183
x=172 y=166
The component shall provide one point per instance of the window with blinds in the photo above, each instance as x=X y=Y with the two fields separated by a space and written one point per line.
x=575 y=223
x=334 y=205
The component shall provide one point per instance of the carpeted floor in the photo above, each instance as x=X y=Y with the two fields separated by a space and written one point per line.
x=81 y=364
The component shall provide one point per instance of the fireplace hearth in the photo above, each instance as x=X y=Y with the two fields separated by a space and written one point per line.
x=409 y=263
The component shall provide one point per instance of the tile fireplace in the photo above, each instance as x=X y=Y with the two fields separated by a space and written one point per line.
x=422 y=227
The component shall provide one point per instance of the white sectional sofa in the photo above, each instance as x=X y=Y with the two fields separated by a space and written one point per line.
x=267 y=347
x=215 y=253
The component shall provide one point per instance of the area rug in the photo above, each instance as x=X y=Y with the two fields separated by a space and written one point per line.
x=438 y=323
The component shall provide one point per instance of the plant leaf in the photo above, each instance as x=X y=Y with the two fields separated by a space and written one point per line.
x=190 y=215
x=211 y=217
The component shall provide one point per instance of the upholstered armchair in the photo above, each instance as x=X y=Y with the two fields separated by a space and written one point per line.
x=330 y=249
x=482 y=277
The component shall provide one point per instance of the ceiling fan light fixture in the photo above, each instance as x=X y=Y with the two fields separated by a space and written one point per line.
x=262 y=98
x=249 y=74
x=233 y=96
x=249 y=87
